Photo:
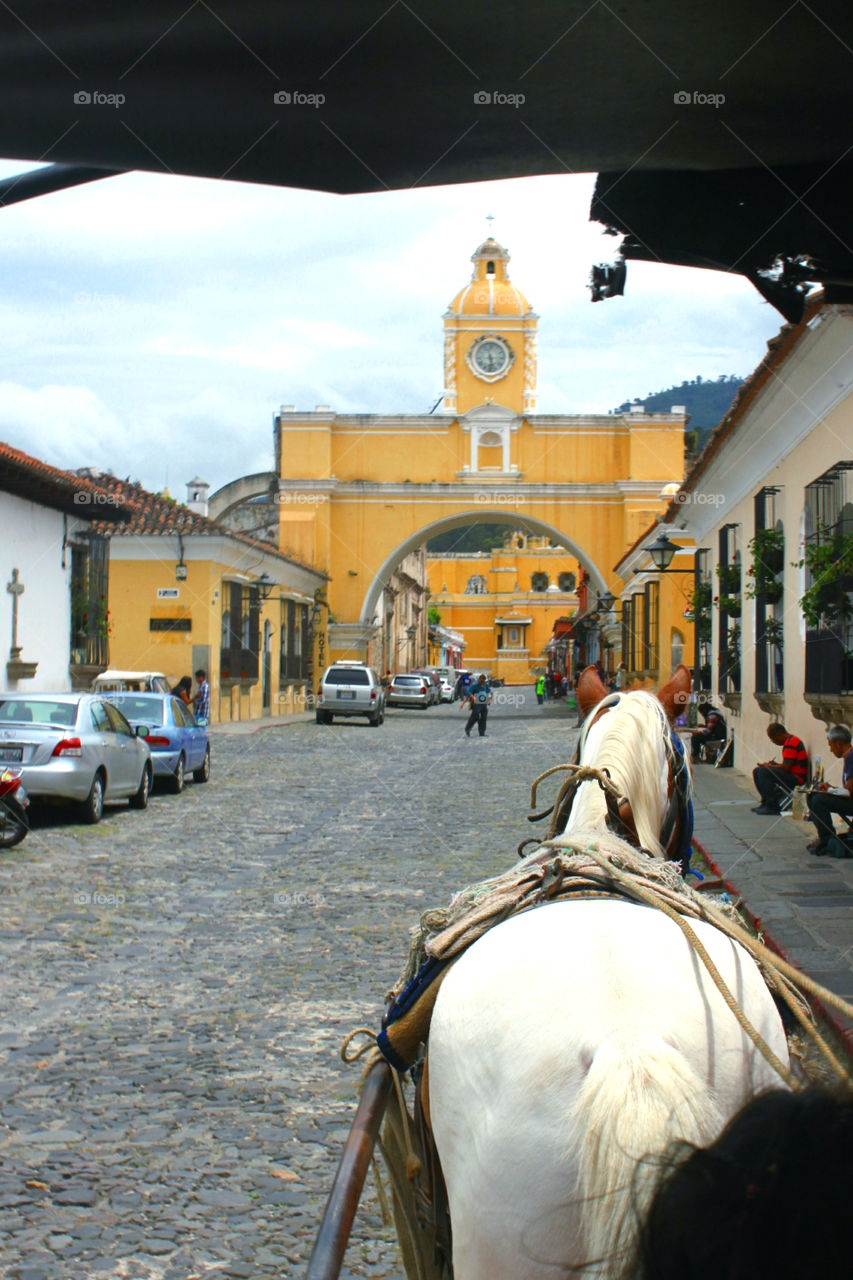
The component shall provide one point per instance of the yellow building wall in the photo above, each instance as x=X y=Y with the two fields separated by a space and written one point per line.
x=134 y=647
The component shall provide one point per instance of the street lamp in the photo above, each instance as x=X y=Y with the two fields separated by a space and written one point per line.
x=317 y=607
x=264 y=585
x=606 y=601
x=661 y=551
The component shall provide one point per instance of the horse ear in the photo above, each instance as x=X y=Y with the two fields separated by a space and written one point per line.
x=590 y=690
x=675 y=694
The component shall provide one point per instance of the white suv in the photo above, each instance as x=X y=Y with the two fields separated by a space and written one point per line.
x=350 y=689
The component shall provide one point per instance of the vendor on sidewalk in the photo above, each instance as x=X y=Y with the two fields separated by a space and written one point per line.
x=714 y=730
x=823 y=802
x=774 y=780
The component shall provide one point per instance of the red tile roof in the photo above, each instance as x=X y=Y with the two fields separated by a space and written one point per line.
x=152 y=513
x=36 y=481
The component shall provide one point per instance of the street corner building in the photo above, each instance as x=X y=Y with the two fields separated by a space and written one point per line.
x=187 y=593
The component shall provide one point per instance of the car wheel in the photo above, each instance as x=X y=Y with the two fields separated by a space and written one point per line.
x=374 y=720
x=176 y=782
x=203 y=772
x=93 y=805
x=143 y=795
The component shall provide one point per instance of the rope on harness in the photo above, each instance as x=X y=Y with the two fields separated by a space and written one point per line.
x=656 y=900
x=578 y=774
x=782 y=977
x=413 y=1164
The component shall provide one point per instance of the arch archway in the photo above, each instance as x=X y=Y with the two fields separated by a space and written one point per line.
x=480 y=515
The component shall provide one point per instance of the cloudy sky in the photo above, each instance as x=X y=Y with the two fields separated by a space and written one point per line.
x=152 y=325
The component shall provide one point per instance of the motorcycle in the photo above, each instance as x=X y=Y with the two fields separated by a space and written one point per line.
x=13 y=808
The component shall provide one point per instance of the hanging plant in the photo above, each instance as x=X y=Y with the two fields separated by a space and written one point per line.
x=830 y=565
x=732 y=655
x=729 y=576
x=699 y=609
x=729 y=605
x=767 y=551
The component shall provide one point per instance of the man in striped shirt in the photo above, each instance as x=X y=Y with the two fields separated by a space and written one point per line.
x=773 y=780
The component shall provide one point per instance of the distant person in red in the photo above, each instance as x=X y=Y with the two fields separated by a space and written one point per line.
x=774 y=781
x=558 y=684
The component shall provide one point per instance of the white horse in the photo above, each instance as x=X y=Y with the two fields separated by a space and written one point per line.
x=574 y=1040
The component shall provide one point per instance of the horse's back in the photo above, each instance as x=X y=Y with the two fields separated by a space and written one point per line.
x=573 y=1038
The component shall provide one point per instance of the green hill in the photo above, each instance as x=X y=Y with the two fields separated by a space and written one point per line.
x=706 y=401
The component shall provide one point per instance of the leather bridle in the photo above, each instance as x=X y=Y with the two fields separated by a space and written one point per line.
x=676 y=832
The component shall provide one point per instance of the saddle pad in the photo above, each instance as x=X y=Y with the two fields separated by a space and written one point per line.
x=550 y=873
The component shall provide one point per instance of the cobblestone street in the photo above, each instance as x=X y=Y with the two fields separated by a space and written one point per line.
x=177 y=983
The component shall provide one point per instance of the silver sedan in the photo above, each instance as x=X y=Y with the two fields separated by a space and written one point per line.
x=75 y=746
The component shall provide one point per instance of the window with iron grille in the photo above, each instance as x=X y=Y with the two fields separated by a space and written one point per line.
x=729 y=572
x=651 y=612
x=293 y=658
x=829 y=581
x=90 y=627
x=702 y=624
x=241 y=624
x=637 y=652
x=765 y=575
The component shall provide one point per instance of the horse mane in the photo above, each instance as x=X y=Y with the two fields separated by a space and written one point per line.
x=632 y=741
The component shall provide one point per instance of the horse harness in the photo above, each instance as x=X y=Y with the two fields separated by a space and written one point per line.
x=676 y=832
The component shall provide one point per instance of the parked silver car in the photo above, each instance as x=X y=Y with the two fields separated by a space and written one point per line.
x=433 y=682
x=350 y=689
x=410 y=690
x=75 y=746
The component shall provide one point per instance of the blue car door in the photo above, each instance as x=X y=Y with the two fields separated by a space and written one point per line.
x=191 y=736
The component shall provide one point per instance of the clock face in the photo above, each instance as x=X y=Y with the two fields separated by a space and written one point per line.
x=491 y=357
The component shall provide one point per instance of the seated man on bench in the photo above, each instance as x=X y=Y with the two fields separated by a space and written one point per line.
x=823 y=803
x=714 y=730
x=773 y=780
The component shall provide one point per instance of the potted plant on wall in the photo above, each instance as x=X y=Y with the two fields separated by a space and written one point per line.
x=767 y=552
x=699 y=609
x=830 y=564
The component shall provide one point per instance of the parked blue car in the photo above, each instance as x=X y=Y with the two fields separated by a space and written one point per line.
x=178 y=744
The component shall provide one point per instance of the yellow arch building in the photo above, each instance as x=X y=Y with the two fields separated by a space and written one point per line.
x=358 y=492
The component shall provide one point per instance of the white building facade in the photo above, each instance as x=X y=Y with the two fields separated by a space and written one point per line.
x=770 y=509
x=47 y=572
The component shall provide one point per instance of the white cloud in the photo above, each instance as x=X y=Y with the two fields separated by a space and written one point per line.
x=154 y=324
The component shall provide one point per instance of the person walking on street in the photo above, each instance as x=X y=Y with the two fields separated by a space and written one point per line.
x=823 y=803
x=478 y=699
x=201 y=702
x=540 y=690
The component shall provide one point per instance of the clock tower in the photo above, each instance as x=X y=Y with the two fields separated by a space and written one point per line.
x=490 y=339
